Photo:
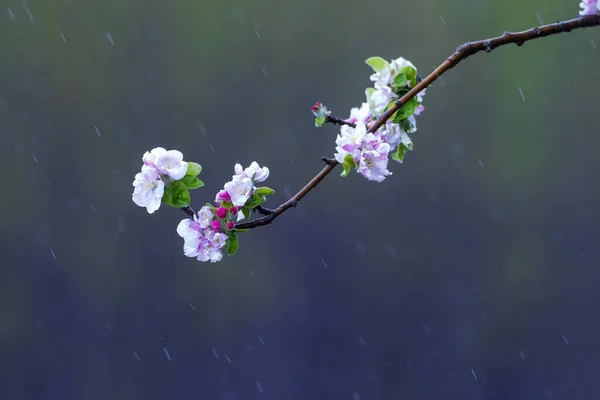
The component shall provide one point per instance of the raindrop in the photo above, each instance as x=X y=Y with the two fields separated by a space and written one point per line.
x=593 y=43
x=564 y=337
x=110 y=39
x=97 y=131
x=521 y=91
x=480 y=162
x=193 y=308
x=264 y=71
x=324 y=263
x=361 y=340
x=63 y=37
x=215 y=352
x=259 y=386
x=12 y=16
x=427 y=329
x=35 y=159
x=360 y=247
x=442 y=18
x=167 y=353
x=261 y=341
x=54 y=255
x=121 y=226
x=136 y=356
x=227 y=357
x=473 y=372
x=355 y=396
x=26 y=7
x=522 y=355
x=539 y=17
x=257 y=35
x=211 y=147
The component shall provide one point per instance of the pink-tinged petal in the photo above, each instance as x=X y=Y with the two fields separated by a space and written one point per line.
x=223 y=195
x=205 y=217
x=218 y=240
x=215 y=255
x=589 y=7
x=240 y=190
x=148 y=189
x=238 y=169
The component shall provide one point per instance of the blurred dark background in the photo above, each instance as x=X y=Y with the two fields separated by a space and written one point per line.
x=471 y=273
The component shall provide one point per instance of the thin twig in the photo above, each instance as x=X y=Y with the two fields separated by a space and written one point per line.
x=461 y=53
x=189 y=211
x=332 y=119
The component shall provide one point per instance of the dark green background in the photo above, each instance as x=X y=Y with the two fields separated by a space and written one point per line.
x=477 y=257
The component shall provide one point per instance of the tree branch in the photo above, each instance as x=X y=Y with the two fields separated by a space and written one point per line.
x=338 y=121
x=461 y=53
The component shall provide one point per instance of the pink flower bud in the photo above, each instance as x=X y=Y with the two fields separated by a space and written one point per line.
x=216 y=225
x=221 y=212
x=230 y=225
x=223 y=195
x=233 y=210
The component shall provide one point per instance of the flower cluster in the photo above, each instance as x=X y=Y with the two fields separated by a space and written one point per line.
x=589 y=7
x=239 y=189
x=368 y=153
x=214 y=226
x=160 y=167
x=203 y=236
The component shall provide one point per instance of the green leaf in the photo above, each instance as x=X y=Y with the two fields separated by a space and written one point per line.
x=369 y=92
x=405 y=111
x=232 y=244
x=253 y=201
x=411 y=74
x=225 y=204
x=264 y=191
x=400 y=80
x=246 y=211
x=193 y=169
x=401 y=151
x=319 y=122
x=377 y=63
x=192 y=182
x=348 y=164
x=408 y=126
x=177 y=195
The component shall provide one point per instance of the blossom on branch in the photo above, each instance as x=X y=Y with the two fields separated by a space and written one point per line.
x=165 y=178
x=368 y=153
x=201 y=242
x=148 y=189
x=169 y=163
